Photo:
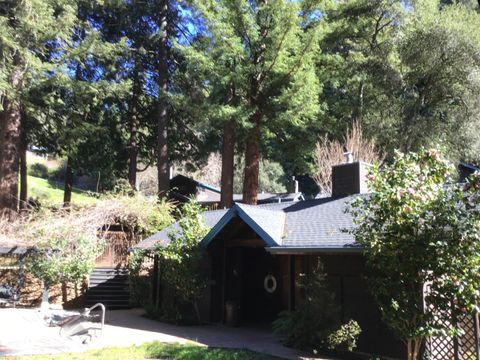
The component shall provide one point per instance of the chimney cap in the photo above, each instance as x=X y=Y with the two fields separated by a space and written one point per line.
x=348 y=157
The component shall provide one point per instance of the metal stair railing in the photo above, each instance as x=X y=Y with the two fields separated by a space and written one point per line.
x=81 y=324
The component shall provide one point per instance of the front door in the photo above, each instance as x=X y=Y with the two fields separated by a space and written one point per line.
x=255 y=280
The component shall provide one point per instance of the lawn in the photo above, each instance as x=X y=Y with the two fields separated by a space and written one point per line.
x=157 y=350
x=50 y=193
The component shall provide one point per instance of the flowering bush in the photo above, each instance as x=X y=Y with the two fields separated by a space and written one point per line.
x=420 y=230
x=345 y=337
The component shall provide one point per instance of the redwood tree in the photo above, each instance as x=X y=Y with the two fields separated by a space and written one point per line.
x=25 y=43
x=163 y=167
x=228 y=155
x=11 y=135
x=266 y=50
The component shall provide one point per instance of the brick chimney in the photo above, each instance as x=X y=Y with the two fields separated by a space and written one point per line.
x=349 y=178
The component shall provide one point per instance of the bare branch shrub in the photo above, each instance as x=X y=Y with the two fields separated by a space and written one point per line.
x=66 y=242
x=331 y=152
x=137 y=213
x=210 y=173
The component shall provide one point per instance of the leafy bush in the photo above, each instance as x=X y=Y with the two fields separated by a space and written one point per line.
x=144 y=215
x=62 y=259
x=58 y=174
x=344 y=338
x=420 y=226
x=181 y=264
x=38 y=170
x=314 y=318
x=139 y=278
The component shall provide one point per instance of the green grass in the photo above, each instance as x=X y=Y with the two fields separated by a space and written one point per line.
x=51 y=194
x=157 y=350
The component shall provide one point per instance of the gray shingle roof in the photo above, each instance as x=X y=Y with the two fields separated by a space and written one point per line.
x=318 y=223
x=210 y=218
x=262 y=198
x=311 y=224
x=272 y=221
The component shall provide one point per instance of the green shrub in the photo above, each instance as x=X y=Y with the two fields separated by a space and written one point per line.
x=344 y=338
x=140 y=281
x=183 y=277
x=314 y=318
x=38 y=170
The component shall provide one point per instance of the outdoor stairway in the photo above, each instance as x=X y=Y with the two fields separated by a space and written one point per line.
x=108 y=286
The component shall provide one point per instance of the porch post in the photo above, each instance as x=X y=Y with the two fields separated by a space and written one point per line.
x=291 y=280
x=154 y=280
x=224 y=280
x=158 y=287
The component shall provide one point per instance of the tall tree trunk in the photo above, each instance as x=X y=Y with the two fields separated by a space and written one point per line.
x=252 y=149
x=64 y=293
x=252 y=164
x=228 y=152
x=23 y=167
x=10 y=142
x=162 y=136
x=68 y=184
x=133 y=142
x=2 y=131
x=413 y=348
x=67 y=192
x=360 y=103
x=45 y=306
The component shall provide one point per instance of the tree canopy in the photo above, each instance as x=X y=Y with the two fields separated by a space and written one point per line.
x=117 y=87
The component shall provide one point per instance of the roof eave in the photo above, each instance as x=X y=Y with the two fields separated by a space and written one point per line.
x=299 y=250
x=234 y=211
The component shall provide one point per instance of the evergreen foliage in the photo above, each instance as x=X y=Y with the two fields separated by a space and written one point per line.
x=420 y=229
x=81 y=79
x=259 y=61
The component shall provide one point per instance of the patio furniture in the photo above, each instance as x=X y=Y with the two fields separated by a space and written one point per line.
x=8 y=295
x=84 y=323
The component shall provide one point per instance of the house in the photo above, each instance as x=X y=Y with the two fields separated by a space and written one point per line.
x=257 y=254
x=183 y=188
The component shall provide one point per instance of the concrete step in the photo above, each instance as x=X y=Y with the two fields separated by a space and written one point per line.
x=99 y=290
x=109 y=286
x=110 y=271
x=108 y=277
x=110 y=303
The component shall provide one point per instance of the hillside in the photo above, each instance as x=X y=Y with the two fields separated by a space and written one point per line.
x=49 y=193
